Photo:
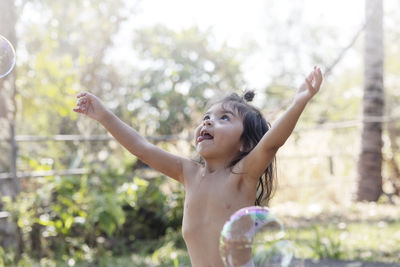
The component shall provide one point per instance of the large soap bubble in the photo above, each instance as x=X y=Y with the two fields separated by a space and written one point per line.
x=7 y=57
x=253 y=236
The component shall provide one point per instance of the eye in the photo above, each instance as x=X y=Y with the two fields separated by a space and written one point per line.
x=206 y=117
x=225 y=117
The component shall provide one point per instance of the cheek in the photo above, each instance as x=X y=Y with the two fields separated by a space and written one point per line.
x=236 y=131
x=197 y=132
x=232 y=134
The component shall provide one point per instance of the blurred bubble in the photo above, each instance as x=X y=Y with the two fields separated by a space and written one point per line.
x=253 y=236
x=7 y=57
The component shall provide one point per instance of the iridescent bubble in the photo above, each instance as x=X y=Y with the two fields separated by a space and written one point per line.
x=253 y=236
x=7 y=57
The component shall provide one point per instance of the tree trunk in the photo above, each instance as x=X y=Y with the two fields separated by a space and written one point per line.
x=370 y=159
x=8 y=21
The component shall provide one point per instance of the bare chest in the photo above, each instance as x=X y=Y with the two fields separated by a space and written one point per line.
x=208 y=195
x=209 y=202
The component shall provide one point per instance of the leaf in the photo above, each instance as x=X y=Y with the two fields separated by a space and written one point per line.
x=68 y=222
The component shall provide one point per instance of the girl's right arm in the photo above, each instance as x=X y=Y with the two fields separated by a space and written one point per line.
x=159 y=159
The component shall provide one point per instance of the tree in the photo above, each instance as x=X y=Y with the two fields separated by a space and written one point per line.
x=370 y=158
x=57 y=51
x=8 y=23
x=8 y=110
x=65 y=53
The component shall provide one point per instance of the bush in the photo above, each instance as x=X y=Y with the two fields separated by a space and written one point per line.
x=81 y=218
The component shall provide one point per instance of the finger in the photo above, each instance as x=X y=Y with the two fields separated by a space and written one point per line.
x=81 y=94
x=309 y=85
x=81 y=105
x=310 y=76
x=78 y=110
x=317 y=70
x=319 y=78
x=315 y=77
x=83 y=100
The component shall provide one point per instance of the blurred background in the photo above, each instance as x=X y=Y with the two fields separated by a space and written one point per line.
x=70 y=195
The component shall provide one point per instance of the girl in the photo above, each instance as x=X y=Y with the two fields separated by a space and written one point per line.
x=236 y=146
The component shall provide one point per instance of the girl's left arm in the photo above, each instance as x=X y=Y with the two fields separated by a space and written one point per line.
x=255 y=163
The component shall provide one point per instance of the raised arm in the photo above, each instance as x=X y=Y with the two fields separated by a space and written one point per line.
x=159 y=159
x=260 y=157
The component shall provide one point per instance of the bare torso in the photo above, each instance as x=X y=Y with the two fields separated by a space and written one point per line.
x=211 y=198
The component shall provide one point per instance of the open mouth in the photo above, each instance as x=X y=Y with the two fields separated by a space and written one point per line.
x=204 y=136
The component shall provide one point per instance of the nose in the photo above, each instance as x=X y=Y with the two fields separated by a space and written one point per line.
x=207 y=122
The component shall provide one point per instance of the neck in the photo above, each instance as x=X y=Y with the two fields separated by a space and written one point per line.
x=214 y=164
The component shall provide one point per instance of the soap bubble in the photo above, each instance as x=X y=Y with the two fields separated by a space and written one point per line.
x=253 y=236
x=7 y=57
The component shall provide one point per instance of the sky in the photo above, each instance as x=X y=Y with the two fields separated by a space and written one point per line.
x=237 y=22
x=235 y=19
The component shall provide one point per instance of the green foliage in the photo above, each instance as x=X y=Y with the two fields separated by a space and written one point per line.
x=178 y=72
x=327 y=246
x=83 y=217
x=103 y=214
x=8 y=259
x=168 y=255
x=357 y=233
x=57 y=58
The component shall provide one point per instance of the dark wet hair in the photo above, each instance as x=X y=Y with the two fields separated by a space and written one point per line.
x=254 y=128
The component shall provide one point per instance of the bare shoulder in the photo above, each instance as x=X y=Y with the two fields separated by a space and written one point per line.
x=190 y=170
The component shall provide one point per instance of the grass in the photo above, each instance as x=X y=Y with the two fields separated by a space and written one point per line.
x=366 y=232
x=356 y=241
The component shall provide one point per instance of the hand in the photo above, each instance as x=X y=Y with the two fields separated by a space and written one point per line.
x=310 y=86
x=89 y=105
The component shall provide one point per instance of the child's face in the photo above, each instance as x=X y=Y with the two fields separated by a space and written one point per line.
x=218 y=135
